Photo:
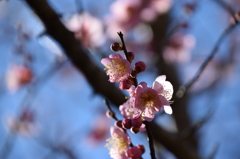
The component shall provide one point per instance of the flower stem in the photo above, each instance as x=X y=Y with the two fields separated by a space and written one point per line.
x=150 y=140
x=123 y=44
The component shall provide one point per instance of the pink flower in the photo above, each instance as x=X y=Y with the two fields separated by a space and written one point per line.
x=87 y=28
x=117 y=67
x=118 y=143
x=128 y=110
x=17 y=76
x=148 y=100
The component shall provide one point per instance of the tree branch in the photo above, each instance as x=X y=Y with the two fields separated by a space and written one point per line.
x=81 y=59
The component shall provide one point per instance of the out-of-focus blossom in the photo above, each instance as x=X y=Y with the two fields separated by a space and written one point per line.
x=118 y=143
x=18 y=75
x=87 y=28
x=117 y=67
x=99 y=130
x=24 y=125
x=179 y=48
x=127 y=14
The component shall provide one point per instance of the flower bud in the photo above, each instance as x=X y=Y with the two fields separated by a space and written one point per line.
x=126 y=123
x=109 y=114
x=119 y=123
x=126 y=84
x=116 y=47
x=141 y=147
x=139 y=67
x=134 y=130
x=130 y=56
x=134 y=153
x=137 y=122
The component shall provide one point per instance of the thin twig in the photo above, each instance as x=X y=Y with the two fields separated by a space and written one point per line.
x=150 y=140
x=111 y=112
x=225 y=6
x=182 y=90
x=126 y=56
x=123 y=44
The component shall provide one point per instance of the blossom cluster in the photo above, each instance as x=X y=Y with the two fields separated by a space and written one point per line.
x=142 y=103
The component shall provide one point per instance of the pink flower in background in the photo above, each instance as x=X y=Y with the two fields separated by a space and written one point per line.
x=24 y=125
x=100 y=130
x=148 y=100
x=18 y=75
x=126 y=14
x=117 y=67
x=87 y=28
x=179 y=48
x=118 y=143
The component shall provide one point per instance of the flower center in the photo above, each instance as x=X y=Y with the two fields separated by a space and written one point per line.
x=117 y=143
x=149 y=99
x=116 y=69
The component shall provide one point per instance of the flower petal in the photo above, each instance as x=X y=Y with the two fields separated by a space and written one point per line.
x=167 y=90
x=161 y=79
x=167 y=109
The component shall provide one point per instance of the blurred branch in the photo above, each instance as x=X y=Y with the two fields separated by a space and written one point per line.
x=193 y=129
x=214 y=151
x=81 y=59
x=182 y=90
x=225 y=6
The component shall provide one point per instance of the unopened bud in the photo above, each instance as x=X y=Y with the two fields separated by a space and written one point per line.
x=141 y=147
x=130 y=56
x=134 y=130
x=119 y=123
x=139 y=67
x=137 y=122
x=109 y=114
x=116 y=47
x=126 y=84
x=126 y=123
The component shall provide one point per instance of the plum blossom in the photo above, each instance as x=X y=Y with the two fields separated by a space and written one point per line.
x=117 y=67
x=126 y=15
x=24 y=125
x=151 y=99
x=18 y=75
x=118 y=143
x=179 y=48
x=87 y=28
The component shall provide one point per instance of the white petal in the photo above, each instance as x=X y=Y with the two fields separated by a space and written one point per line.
x=167 y=90
x=161 y=79
x=167 y=109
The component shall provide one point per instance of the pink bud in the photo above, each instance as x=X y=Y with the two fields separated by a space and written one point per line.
x=126 y=84
x=130 y=56
x=137 y=122
x=134 y=130
x=126 y=123
x=116 y=47
x=134 y=153
x=141 y=147
x=119 y=123
x=139 y=67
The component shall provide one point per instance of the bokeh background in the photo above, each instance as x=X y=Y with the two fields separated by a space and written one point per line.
x=52 y=109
